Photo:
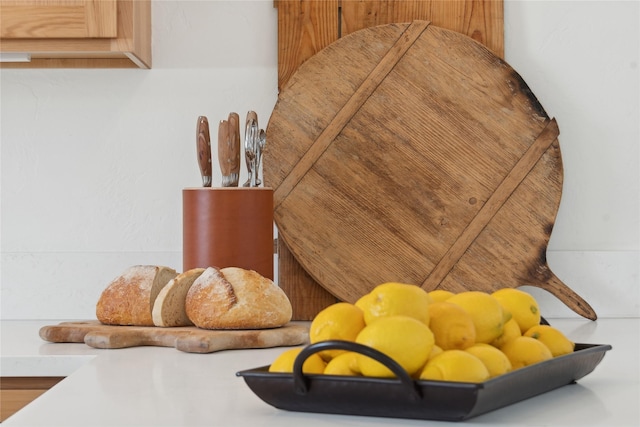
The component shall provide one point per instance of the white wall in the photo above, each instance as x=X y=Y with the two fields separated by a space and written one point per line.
x=94 y=161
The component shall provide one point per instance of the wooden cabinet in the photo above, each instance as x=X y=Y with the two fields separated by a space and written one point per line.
x=17 y=392
x=76 y=33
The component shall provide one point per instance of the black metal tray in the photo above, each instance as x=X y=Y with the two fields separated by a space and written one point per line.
x=403 y=397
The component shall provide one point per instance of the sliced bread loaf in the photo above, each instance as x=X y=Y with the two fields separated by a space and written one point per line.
x=129 y=298
x=168 y=310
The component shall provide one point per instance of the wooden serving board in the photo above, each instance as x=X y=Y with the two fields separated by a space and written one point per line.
x=189 y=339
x=305 y=27
x=411 y=153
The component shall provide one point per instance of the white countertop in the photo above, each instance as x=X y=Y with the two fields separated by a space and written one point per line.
x=150 y=386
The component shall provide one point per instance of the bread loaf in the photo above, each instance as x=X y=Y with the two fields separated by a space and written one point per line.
x=235 y=298
x=168 y=309
x=129 y=298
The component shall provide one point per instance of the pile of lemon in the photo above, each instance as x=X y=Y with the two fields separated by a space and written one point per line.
x=470 y=336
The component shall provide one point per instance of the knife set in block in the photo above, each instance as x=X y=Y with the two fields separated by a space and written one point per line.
x=229 y=226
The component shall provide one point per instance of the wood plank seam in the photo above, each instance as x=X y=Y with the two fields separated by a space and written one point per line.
x=339 y=19
x=497 y=199
x=359 y=97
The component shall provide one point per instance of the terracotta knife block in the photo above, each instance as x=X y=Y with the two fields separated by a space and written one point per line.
x=228 y=227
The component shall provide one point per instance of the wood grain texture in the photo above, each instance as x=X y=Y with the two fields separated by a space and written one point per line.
x=128 y=46
x=347 y=111
x=226 y=152
x=11 y=401
x=188 y=339
x=482 y=20
x=495 y=202
x=306 y=295
x=203 y=148
x=442 y=170
x=234 y=139
x=18 y=392
x=306 y=27
x=58 y=19
x=29 y=383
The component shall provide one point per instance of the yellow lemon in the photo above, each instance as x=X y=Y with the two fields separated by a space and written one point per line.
x=452 y=326
x=362 y=302
x=455 y=365
x=486 y=312
x=392 y=299
x=435 y=351
x=343 y=364
x=525 y=351
x=405 y=339
x=440 y=295
x=511 y=330
x=340 y=321
x=497 y=362
x=522 y=306
x=553 y=338
x=284 y=363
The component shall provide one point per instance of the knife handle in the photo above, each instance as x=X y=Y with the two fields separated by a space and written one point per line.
x=226 y=155
x=223 y=147
x=203 y=143
x=234 y=147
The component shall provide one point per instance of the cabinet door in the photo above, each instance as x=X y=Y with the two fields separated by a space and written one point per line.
x=18 y=392
x=58 y=19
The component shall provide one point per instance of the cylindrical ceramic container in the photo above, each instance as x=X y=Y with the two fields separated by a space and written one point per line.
x=228 y=227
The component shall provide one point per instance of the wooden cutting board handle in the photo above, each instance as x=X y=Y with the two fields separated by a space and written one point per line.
x=124 y=338
x=574 y=301
x=228 y=340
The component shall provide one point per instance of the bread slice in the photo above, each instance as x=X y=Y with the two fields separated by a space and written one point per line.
x=168 y=310
x=235 y=298
x=129 y=298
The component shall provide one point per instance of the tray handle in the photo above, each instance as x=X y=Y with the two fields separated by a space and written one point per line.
x=301 y=382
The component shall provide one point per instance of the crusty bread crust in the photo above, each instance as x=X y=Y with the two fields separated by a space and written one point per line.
x=235 y=298
x=129 y=298
x=168 y=309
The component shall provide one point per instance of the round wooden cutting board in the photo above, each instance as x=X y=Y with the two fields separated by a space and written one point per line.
x=411 y=153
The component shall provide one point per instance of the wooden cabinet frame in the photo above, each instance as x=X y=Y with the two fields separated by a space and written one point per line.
x=18 y=392
x=77 y=33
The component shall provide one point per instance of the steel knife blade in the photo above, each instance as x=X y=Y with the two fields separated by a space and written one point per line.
x=251 y=131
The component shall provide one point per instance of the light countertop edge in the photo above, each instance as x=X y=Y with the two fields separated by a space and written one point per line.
x=158 y=386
